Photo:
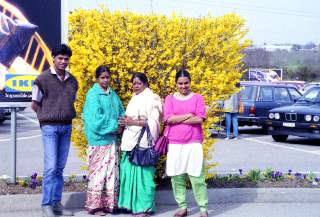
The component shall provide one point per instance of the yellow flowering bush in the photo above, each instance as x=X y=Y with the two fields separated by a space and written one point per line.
x=209 y=48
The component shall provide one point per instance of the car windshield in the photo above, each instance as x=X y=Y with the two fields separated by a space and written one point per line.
x=309 y=86
x=248 y=93
x=312 y=96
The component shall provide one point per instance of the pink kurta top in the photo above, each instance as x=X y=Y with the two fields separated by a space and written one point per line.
x=185 y=133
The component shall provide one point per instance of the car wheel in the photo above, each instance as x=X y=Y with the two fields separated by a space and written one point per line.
x=280 y=138
x=264 y=128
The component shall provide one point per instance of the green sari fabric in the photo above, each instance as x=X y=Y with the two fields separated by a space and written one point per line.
x=137 y=188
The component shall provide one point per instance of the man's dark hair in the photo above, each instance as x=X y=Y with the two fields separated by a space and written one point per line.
x=62 y=49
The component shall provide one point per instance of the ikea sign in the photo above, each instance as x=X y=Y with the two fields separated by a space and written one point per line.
x=19 y=83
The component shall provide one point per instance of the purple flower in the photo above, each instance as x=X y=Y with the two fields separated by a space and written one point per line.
x=289 y=172
x=240 y=171
x=304 y=176
x=298 y=175
x=316 y=179
x=34 y=176
x=33 y=184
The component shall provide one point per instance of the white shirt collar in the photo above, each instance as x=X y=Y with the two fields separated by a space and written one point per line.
x=53 y=71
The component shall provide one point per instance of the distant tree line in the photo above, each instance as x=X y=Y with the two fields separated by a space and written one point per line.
x=301 y=63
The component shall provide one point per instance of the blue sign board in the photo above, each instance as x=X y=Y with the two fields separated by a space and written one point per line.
x=19 y=83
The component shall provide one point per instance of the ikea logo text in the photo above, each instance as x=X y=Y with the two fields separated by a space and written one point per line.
x=19 y=83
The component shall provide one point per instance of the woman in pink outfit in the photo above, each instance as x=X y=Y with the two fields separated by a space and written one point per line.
x=185 y=112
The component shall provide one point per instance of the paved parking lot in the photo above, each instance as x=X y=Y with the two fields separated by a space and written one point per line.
x=29 y=148
x=257 y=150
x=253 y=150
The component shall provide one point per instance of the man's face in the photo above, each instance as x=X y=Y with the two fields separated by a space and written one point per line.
x=61 y=62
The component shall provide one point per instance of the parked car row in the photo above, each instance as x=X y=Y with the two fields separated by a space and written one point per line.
x=310 y=85
x=281 y=109
x=300 y=119
x=257 y=98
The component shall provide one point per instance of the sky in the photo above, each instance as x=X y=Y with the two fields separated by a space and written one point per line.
x=267 y=21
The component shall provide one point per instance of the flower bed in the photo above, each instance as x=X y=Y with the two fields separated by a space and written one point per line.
x=252 y=179
x=32 y=185
x=260 y=179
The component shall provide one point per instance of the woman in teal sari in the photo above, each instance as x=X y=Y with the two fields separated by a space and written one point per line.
x=101 y=112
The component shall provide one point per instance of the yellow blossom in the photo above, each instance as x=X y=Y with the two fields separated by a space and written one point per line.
x=209 y=47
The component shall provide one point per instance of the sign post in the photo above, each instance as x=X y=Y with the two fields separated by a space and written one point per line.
x=13 y=145
x=25 y=50
x=13 y=106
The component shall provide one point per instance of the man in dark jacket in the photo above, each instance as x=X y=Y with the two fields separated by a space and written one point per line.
x=53 y=98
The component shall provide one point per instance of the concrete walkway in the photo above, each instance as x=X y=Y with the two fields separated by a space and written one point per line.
x=233 y=202
x=217 y=210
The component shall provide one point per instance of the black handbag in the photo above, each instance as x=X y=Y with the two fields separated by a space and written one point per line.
x=141 y=156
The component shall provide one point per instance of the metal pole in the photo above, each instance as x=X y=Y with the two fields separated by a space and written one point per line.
x=151 y=6
x=13 y=145
x=64 y=20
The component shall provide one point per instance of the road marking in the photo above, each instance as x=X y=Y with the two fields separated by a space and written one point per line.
x=225 y=173
x=29 y=119
x=21 y=138
x=27 y=137
x=255 y=137
x=283 y=146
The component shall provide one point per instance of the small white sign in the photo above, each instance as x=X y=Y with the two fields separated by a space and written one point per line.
x=286 y=124
x=15 y=104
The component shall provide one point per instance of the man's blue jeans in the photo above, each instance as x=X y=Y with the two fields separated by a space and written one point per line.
x=56 y=144
x=234 y=118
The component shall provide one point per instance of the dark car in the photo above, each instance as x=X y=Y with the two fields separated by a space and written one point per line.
x=257 y=98
x=2 y=115
x=5 y=112
x=310 y=85
x=301 y=119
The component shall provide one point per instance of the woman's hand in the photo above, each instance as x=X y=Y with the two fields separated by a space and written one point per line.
x=35 y=106
x=121 y=122
x=129 y=121
x=190 y=115
x=120 y=129
x=176 y=119
x=193 y=120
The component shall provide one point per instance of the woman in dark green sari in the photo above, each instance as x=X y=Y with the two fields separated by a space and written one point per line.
x=137 y=188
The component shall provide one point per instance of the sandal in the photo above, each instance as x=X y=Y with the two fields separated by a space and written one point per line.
x=100 y=213
x=181 y=213
x=204 y=214
x=97 y=212
x=142 y=215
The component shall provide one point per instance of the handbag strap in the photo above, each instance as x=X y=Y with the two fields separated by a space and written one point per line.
x=166 y=129
x=143 y=129
x=149 y=135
